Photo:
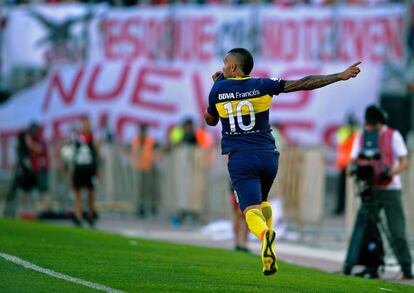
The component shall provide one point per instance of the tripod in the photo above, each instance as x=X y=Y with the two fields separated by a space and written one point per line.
x=366 y=247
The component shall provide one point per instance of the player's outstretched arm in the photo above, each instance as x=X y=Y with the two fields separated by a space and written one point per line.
x=316 y=81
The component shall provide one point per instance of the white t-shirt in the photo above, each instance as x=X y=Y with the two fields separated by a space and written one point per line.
x=398 y=149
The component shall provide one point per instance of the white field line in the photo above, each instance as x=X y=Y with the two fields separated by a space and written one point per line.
x=31 y=266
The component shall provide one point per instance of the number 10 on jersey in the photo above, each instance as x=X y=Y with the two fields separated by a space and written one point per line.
x=239 y=116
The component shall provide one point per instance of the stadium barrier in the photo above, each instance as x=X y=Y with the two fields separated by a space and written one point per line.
x=188 y=179
x=301 y=184
x=194 y=180
x=353 y=202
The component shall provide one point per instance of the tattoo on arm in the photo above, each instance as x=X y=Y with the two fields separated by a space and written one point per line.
x=310 y=82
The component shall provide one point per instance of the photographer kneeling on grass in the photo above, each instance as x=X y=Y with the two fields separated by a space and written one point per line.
x=378 y=156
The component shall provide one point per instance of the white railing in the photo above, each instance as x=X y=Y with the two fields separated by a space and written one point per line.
x=195 y=180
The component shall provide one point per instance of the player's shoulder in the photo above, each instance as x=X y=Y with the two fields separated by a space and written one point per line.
x=244 y=81
x=230 y=83
x=217 y=84
x=271 y=79
x=224 y=84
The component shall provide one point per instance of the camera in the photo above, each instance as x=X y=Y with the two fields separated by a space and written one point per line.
x=369 y=171
x=364 y=168
x=369 y=168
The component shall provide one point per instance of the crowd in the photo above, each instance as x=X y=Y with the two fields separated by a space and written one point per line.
x=31 y=171
x=79 y=159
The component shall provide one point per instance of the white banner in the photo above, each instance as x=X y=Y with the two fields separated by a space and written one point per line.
x=70 y=33
x=162 y=95
x=154 y=65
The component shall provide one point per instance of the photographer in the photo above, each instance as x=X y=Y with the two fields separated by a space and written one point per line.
x=383 y=149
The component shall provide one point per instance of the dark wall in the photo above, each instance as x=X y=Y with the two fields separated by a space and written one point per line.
x=4 y=95
x=399 y=111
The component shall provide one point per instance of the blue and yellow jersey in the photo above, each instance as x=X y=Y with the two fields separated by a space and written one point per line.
x=243 y=107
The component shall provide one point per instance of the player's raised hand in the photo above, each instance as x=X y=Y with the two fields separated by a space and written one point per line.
x=216 y=75
x=351 y=71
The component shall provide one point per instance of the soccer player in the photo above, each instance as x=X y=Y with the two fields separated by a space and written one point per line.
x=242 y=104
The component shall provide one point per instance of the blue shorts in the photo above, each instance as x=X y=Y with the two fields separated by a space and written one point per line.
x=252 y=174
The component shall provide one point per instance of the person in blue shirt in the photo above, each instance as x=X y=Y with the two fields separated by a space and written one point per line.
x=242 y=105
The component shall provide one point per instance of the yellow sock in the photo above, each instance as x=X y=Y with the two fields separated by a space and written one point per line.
x=256 y=222
x=267 y=214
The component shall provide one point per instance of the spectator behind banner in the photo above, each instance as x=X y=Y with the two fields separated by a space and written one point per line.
x=183 y=133
x=106 y=134
x=23 y=178
x=203 y=137
x=143 y=156
x=176 y=135
x=386 y=187
x=189 y=132
x=39 y=161
x=345 y=137
x=85 y=166
x=108 y=148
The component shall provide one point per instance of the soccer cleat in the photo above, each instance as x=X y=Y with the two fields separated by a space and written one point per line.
x=91 y=221
x=77 y=221
x=268 y=253
x=242 y=248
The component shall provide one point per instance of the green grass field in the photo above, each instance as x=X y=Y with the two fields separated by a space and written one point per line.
x=137 y=265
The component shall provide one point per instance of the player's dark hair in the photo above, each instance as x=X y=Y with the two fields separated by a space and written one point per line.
x=375 y=115
x=244 y=58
